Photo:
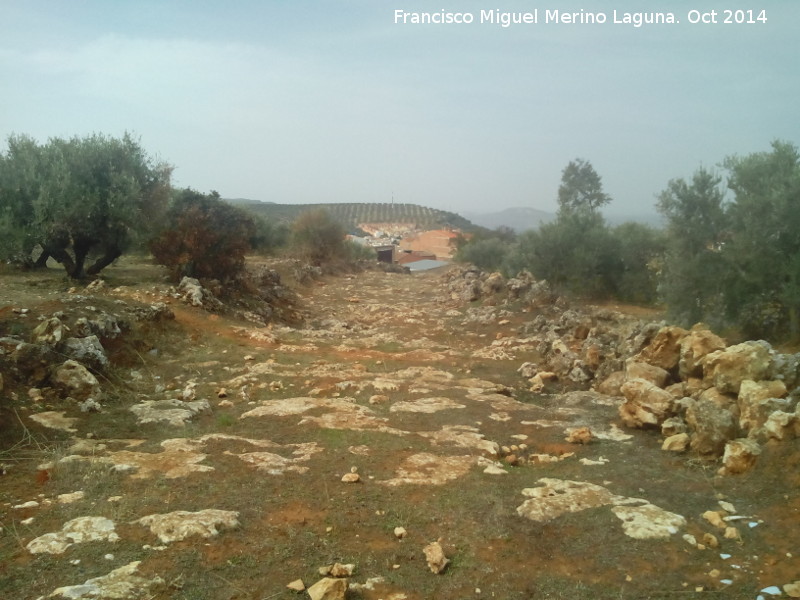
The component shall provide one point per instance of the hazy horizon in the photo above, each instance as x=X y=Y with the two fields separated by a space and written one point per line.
x=317 y=102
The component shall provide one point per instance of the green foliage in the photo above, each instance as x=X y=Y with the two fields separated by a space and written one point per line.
x=318 y=238
x=204 y=238
x=763 y=287
x=355 y=252
x=577 y=254
x=640 y=249
x=691 y=280
x=268 y=236
x=581 y=188
x=488 y=251
x=79 y=195
x=737 y=262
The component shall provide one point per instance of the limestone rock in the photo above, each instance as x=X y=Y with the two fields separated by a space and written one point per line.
x=328 y=588
x=400 y=532
x=76 y=531
x=676 y=443
x=171 y=411
x=119 y=583
x=711 y=427
x=722 y=400
x=435 y=557
x=297 y=585
x=193 y=293
x=673 y=426
x=757 y=400
x=580 y=435
x=648 y=522
x=665 y=348
x=181 y=524
x=88 y=350
x=341 y=570
x=351 y=478
x=611 y=384
x=740 y=456
x=76 y=380
x=539 y=380
x=697 y=344
x=715 y=519
x=726 y=369
x=493 y=284
x=49 y=332
x=641 y=370
x=646 y=404
x=782 y=425
x=792 y=589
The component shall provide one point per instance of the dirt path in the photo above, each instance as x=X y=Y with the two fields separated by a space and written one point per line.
x=255 y=456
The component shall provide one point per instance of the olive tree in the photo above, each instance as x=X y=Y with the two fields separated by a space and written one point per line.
x=79 y=195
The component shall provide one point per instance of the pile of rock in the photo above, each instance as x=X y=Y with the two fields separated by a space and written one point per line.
x=717 y=400
x=470 y=284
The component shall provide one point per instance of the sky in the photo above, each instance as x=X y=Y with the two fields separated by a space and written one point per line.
x=300 y=101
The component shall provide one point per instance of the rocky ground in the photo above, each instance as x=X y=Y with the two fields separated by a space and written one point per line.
x=446 y=434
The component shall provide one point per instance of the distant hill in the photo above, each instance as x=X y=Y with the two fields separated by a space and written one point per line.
x=519 y=219
x=351 y=214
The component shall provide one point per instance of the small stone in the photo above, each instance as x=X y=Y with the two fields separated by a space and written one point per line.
x=296 y=586
x=710 y=540
x=354 y=469
x=351 y=478
x=792 y=589
x=714 y=573
x=495 y=470
x=435 y=557
x=222 y=393
x=70 y=498
x=676 y=443
x=714 y=518
x=727 y=507
x=731 y=533
x=400 y=532
x=328 y=588
x=581 y=435
x=340 y=570
x=511 y=460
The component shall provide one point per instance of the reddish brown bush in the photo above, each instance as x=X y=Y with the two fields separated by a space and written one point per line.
x=204 y=238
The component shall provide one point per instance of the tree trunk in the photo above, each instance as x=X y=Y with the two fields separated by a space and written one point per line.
x=111 y=254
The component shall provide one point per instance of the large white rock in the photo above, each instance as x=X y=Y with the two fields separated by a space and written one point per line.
x=647 y=405
x=76 y=531
x=181 y=524
x=76 y=380
x=726 y=369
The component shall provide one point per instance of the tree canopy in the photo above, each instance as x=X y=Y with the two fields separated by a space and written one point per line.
x=581 y=188
x=73 y=196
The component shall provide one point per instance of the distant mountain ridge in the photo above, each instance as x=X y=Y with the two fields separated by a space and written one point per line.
x=520 y=218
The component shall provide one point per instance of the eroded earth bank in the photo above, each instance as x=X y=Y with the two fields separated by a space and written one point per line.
x=447 y=434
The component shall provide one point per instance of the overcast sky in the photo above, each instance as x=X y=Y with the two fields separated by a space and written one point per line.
x=332 y=101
